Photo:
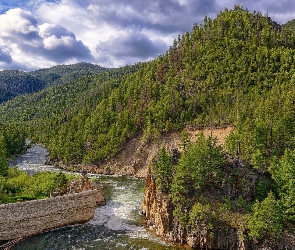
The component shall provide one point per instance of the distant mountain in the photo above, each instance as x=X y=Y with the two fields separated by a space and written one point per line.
x=16 y=82
x=66 y=73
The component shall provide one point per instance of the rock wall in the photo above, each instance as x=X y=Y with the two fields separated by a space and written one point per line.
x=33 y=217
x=158 y=210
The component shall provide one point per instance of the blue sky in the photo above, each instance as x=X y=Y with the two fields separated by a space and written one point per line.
x=112 y=33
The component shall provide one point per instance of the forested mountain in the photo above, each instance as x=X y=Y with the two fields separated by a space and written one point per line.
x=237 y=69
x=225 y=71
x=66 y=73
x=16 y=82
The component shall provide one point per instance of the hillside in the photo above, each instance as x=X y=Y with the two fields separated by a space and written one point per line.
x=289 y=25
x=66 y=73
x=236 y=72
x=16 y=82
x=237 y=66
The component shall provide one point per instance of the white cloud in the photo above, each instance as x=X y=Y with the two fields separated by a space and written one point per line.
x=111 y=33
x=30 y=42
x=17 y=24
x=47 y=30
x=129 y=47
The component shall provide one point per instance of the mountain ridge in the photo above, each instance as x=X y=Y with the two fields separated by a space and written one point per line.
x=16 y=82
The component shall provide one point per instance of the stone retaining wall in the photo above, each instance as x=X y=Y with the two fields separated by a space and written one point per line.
x=33 y=217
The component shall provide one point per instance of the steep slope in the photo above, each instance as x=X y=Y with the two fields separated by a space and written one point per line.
x=289 y=25
x=137 y=155
x=220 y=73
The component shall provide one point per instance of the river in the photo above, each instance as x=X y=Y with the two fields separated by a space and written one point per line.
x=117 y=225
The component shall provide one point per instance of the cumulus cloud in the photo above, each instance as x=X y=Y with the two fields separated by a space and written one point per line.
x=29 y=41
x=47 y=30
x=130 y=45
x=18 y=24
x=61 y=44
x=112 y=33
x=156 y=15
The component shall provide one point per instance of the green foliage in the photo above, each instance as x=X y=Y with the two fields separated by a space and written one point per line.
x=12 y=142
x=41 y=185
x=16 y=182
x=61 y=181
x=16 y=82
x=15 y=139
x=262 y=190
x=283 y=172
x=220 y=73
x=199 y=213
x=202 y=161
x=266 y=219
x=237 y=69
x=200 y=165
x=289 y=25
x=3 y=157
x=237 y=66
x=66 y=73
x=163 y=170
x=19 y=186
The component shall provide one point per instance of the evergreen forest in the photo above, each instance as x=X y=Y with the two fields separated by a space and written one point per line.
x=16 y=82
x=236 y=70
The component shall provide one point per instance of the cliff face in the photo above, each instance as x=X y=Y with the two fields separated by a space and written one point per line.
x=158 y=210
x=221 y=233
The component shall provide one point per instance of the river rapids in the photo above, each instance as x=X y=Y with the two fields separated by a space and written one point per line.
x=117 y=225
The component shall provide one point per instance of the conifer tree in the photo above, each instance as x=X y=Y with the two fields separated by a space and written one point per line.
x=3 y=157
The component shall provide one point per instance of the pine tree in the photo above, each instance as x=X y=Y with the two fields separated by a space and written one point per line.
x=3 y=157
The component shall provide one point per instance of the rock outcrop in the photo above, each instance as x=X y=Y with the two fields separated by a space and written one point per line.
x=74 y=205
x=221 y=233
x=80 y=185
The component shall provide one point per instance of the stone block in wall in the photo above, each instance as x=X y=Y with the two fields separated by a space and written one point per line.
x=33 y=217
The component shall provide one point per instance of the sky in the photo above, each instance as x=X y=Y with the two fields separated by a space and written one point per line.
x=111 y=33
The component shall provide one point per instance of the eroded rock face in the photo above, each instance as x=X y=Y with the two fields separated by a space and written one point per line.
x=158 y=210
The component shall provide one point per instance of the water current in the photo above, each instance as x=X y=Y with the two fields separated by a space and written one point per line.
x=117 y=225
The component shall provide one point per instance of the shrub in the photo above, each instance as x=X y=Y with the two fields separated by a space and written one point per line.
x=266 y=220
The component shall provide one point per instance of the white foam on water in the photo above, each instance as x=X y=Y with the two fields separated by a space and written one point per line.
x=121 y=212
